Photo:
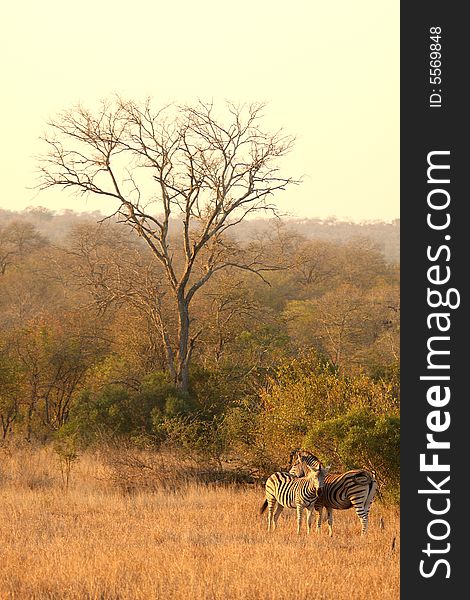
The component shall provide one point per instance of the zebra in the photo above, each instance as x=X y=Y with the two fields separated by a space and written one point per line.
x=287 y=490
x=352 y=489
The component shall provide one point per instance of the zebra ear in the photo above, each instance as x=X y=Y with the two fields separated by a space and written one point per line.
x=327 y=469
x=292 y=455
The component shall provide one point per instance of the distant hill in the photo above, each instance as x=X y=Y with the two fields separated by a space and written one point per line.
x=56 y=224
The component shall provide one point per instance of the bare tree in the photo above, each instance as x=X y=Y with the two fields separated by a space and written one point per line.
x=179 y=162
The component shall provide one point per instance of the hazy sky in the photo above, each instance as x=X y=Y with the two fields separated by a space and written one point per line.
x=329 y=71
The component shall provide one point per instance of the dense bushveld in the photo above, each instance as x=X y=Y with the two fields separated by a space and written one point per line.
x=168 y=536
x=306 y=356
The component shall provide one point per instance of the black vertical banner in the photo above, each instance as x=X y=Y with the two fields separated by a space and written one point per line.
x=435 y=252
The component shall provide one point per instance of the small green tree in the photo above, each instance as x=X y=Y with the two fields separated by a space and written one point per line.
x=65 y=446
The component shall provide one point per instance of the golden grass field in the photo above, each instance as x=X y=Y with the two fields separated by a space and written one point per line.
x=195 y=541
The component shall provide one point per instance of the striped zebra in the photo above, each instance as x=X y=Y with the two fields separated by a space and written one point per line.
x=352 y=489
x=287 y=490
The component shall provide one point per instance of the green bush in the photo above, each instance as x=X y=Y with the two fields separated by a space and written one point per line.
x=361 y=439
x=307 y=392
x=122 y=411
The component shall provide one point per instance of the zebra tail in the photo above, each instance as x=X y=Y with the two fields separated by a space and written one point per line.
x=370 y=496
x=263 y=507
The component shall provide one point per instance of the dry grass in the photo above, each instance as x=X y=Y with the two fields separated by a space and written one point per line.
x=196 y=542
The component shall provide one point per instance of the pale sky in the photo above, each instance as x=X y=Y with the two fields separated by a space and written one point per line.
x=328 y=70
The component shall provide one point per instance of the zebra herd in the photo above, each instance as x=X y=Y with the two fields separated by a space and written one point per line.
x=308 y=484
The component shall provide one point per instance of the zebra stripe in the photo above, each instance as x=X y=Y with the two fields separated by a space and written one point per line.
x=352 y=489
x=284 y=490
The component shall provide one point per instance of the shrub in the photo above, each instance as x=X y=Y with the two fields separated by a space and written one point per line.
x=361 y=439
x=117 y=410
x=308 y=392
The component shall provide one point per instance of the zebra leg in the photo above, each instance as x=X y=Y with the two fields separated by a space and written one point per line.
x=299 y=517
x=277 y=512
x=318 y=518
x=271 y=524
x=330 y=521
x=364 y=518
x=309 y=519
x=365 y=523
x=366 y=508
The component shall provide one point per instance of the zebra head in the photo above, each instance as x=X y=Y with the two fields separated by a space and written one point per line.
x=300 y=458
x=317 y=474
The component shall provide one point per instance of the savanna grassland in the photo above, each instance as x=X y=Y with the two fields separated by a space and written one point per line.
x=173 y=539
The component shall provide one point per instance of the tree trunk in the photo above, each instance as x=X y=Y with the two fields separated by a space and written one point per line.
x=182 y=361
